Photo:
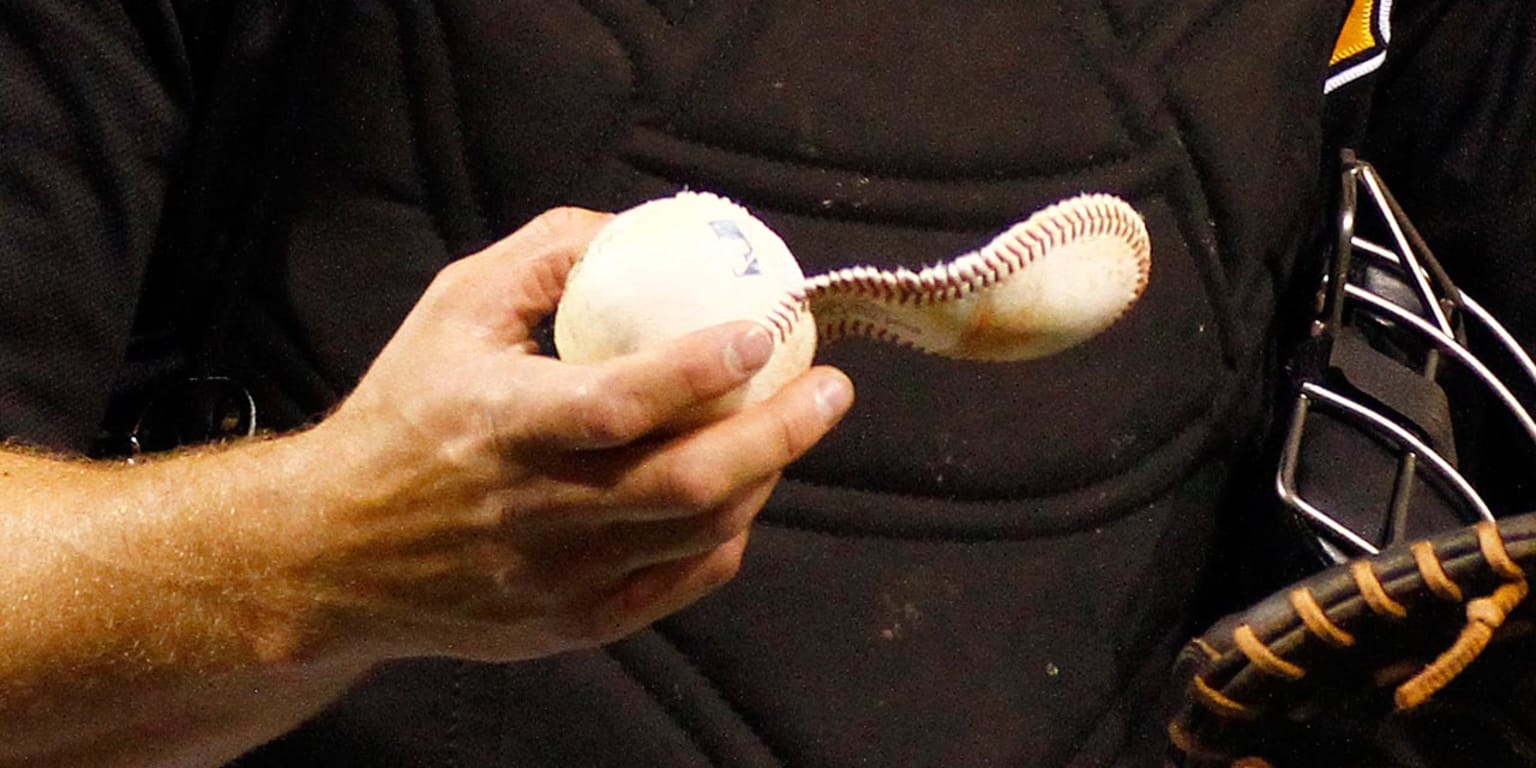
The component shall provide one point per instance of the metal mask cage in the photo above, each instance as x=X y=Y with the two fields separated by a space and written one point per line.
x=1391 y=326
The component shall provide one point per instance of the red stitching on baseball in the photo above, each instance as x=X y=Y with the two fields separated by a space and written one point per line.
x=1017 y=248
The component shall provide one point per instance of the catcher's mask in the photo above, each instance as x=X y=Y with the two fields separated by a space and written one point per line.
x=1369 y=458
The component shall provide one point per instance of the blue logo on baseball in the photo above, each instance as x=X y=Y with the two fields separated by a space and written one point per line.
x=739 y=248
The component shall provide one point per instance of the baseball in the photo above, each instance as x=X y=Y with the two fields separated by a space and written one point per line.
x=679 y=264
x=1046 y=284
x=676 y=265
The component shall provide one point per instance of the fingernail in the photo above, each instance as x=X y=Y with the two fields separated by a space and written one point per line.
x=833 y=396
x=749 y=352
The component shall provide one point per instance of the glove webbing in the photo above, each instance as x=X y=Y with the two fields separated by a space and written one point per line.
x=1484 y=616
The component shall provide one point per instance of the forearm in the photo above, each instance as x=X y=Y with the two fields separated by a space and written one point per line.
x=146 y=618
x=469 y=499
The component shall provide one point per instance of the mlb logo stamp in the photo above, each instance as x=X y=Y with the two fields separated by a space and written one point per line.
x=736 y=247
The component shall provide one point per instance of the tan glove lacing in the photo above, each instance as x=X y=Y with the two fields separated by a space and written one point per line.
x=1484 y=616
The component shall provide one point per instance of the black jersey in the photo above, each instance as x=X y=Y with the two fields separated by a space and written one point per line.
x=986 y=564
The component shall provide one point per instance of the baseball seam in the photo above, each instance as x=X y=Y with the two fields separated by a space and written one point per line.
x=1023 y=244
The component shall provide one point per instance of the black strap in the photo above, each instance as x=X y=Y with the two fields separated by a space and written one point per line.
x=244 y=56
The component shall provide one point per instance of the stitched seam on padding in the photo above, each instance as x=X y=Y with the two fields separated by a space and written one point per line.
x=1238 y=288
x=1158 y=128
x=675 y=716
x=1159 y=47
x=455 y=124
x=1206 y=419
x=598 y=151
x=606 y=22
x=1027 y=527
x=1149 y=479
x=638 y=161
x=682 y=16
x=720 y=692
x=897 y=213
x=440 y=203
x=670 y=713
x=1102 y=159
x=417 y=152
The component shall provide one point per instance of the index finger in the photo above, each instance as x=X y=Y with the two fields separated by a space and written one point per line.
x=709 y=467
x=620 y=401
x=521 y=277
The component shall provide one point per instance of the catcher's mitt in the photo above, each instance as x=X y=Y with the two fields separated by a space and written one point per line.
x=1371 y=663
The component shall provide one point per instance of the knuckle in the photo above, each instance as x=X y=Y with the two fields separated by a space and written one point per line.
x=720 y=527
x=621 y=614
x=608 y=417
x=725 y=525
x=700 y=376
x=589 y=626
x=438 y=293
x=694 y=487
x=601 y=624
x=784 y=439
x=555 y=222
x=453 y=274
x=562 y=216
x=545 y=224
x=592 y=616
x=721 y=570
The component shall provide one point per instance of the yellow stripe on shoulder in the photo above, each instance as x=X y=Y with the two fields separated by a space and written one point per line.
x=1358 y=34
x=1362 y=43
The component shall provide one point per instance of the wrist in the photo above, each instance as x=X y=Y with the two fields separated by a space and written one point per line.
x=355 y=504
x=232 y=534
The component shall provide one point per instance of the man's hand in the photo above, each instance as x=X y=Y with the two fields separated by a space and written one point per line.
x=517 y=506
x=470 y=498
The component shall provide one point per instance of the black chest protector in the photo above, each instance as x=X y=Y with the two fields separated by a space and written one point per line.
x=986 y=564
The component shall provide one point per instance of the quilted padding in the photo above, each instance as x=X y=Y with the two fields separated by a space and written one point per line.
x=985 y=564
